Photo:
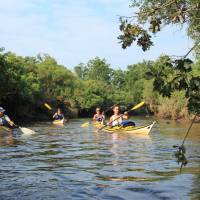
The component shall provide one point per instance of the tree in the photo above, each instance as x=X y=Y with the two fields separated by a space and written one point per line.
x=118 y=79
x=98 y=69
x=16 y=79
x=56 y=80
x=80 y=71
x=91 y=93
x=170 y=76
x=153 y=15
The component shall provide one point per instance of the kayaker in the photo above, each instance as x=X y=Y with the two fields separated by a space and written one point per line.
x=58 y=115
x=5 y=120
x=119 y=117
x=99 y=116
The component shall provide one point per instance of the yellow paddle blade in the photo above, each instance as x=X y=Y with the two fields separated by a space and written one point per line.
x=84 y=125
x=47 y=106
x=138 y=105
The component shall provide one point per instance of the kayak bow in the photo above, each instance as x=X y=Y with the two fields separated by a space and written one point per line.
x=59 y=122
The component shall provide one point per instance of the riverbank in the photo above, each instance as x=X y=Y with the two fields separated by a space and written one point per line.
x=27 y=112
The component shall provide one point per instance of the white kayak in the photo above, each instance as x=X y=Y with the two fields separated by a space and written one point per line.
x=130 y=129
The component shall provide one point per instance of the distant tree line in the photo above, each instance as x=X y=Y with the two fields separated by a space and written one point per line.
x=28 y=82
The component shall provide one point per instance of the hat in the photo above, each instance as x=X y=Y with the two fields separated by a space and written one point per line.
x=2 y=109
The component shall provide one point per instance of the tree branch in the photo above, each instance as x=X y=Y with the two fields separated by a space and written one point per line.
x=186 y=55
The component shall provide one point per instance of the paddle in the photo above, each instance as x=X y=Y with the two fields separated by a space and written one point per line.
x=134 y=108
x=25 y=131
x=47 y=106
x=86 y=124
x=50 y=108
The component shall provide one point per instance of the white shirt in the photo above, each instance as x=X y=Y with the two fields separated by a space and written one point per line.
x=117 y=121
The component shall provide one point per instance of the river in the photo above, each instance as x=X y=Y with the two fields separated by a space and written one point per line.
x=78 y=163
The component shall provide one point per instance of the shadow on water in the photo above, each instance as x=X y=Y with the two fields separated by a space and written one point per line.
x=79 y=163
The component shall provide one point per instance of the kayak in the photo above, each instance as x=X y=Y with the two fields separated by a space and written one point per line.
x=97 y=124
x=5 y=131
x=130 y=129
x=59 y=122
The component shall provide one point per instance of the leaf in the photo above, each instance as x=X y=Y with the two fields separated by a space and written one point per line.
x=195 y=84
x=183 y=65
x=149 y=75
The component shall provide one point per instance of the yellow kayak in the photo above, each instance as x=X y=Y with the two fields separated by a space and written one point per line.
x=59 y=122
x=130 y=129
x=97 y=124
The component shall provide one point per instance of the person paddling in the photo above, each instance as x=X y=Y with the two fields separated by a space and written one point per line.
x=58 y=115
x=99 y=116
x=5 y=120
x=119 y=117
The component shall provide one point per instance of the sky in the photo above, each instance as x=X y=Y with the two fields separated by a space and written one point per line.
x=74 y=31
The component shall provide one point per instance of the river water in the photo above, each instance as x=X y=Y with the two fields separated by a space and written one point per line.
x=77 y=163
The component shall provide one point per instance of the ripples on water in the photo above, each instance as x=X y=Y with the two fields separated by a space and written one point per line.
x=75 y=163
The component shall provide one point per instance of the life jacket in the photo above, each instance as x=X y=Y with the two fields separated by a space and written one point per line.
x=116 y=122
x=99 y=118
x=59 y=117
x=4 y=121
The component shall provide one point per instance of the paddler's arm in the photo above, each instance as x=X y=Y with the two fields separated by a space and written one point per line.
x=9 y=120
x=94 y=117
x=125 y=116
x=12 y=124
x=54 y=115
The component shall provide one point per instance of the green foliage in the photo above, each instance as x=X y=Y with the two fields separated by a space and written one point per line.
x=91 y=93
x=15 y=79
x=118 y=78
x=98 y=69
x=153 y=15
x=162 y=73
x=177 y=76
x=56 y=80
x=174 y=107
x=80 y=71
x=180 y=155
x=95 y=83
x=168 y=75
x=150 y=96
x=133 y=32
x=196 y=68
